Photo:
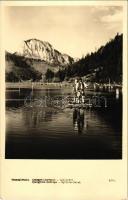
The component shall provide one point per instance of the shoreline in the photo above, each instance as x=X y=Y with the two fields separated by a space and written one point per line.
x=38 y=85
x=63 y=85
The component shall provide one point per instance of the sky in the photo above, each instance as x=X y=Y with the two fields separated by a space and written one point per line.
x=74 y=30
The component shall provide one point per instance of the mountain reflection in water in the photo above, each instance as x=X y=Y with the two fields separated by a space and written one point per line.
x=35 y=132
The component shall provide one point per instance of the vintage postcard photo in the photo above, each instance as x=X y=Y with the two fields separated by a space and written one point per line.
x=64 y=82
x=64 y=100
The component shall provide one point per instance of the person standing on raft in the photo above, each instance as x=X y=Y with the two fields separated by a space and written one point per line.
x=79 y=91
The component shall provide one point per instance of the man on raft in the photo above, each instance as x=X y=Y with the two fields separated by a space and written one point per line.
x=79 y=90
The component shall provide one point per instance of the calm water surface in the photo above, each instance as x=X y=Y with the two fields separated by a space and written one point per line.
x=37 y=132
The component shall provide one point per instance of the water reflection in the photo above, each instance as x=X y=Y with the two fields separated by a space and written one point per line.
x=45 y=131
x=79 y=122
x=34 y=116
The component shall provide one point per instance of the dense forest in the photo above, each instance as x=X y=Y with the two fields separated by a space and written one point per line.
x=101 y=66
x=17 y=69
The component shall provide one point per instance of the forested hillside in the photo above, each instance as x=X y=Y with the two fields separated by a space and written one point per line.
x=17 y=69
x=103 y=65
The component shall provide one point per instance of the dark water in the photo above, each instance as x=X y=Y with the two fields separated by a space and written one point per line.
x=35 y=131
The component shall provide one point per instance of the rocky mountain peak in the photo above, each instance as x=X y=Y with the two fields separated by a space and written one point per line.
x=37 y=49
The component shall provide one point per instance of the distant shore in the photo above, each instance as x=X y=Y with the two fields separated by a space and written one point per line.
x=38 y=85
x=63 y=85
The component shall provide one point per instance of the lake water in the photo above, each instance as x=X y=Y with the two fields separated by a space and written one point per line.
x=36 y=129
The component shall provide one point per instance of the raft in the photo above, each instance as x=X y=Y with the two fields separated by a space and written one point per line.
x=84 y=106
